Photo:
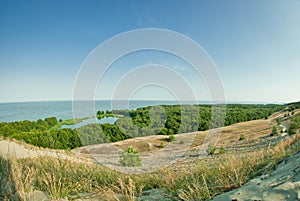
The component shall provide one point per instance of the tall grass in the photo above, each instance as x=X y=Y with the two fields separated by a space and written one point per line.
x=63 y=178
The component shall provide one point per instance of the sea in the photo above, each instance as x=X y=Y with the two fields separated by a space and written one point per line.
x=10 y=112
x=19 y=111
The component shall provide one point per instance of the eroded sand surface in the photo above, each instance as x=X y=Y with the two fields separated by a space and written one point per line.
x=281 y=184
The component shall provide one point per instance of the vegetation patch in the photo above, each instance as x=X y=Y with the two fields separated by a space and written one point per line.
x=130 y=157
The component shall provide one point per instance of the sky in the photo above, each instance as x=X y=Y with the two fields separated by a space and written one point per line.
x=254 y=44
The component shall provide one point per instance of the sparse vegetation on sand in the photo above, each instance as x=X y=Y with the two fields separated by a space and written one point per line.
x=66 y=178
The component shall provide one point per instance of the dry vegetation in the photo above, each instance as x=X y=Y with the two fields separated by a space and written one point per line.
x=65 y=178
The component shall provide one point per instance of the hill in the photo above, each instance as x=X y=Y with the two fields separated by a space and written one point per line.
x=249 y=151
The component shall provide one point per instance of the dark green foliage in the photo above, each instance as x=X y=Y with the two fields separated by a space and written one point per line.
x=100 y=113
x=295 y=105
x=39 y=133
x=274 y=131
x=242 y=137
x=130 y=157
x=294 y=125
x=278 y=121
x=292 y=108
x=113 y=133
x=108 y=112
x=189 y=118
x=165 y=119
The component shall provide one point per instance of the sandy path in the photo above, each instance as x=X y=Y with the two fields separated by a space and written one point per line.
x=15 y=150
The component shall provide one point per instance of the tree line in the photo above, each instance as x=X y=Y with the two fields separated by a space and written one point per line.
x=151 y=120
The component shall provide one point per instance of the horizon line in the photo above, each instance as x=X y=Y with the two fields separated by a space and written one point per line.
x=157 y=100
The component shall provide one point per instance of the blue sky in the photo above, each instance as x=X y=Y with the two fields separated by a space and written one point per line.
x=254 y=44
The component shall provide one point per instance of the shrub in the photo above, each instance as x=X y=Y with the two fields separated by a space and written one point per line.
x=130 y=157
x=211 y=149
x=222 y=150
x=161 y=145
x=274 y=131
x=278 y=120
x=181 y=142
x=171 y=138
x=242 y=137
x=294 y=125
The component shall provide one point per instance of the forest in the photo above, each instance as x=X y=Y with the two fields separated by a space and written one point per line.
x=151 y=120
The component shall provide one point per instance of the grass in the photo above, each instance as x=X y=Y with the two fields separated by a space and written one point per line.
x=109 y=115
x=65 y=178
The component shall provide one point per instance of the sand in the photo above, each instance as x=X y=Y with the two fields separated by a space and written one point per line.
x=281 y=184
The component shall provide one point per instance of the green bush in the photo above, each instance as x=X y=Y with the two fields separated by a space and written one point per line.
x=294 y=125
x=242 y=137
x=211 y=149
x=161 y=145
x=278 y=120
x=222 y=150
x=171 y=138
x=274 y=131
x=130 y=157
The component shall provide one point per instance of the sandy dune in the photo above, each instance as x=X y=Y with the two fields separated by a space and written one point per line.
x=283 y=184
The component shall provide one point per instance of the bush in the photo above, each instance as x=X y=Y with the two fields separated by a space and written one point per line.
x=171 y=138
x=222 y=150
x=278 y=120
x=181 y=142
x=242 y=137
x=274 y=131
x=292 y=108
x=211 y=149
x=294 y=125
x=130 y=157
x=161 y=145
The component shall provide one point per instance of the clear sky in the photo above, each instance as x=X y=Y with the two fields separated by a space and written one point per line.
x=255 y=45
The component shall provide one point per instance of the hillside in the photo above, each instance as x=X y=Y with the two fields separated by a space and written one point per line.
x=182 y=164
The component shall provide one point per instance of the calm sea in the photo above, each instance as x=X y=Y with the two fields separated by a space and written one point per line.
x=63 y=109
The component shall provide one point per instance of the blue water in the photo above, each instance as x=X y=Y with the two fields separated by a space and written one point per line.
x=63 y=109
x=105 y=120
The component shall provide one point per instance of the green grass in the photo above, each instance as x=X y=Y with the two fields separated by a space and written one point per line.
x=110 y=115
x=62 y=178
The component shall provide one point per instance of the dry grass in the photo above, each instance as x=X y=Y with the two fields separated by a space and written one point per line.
x=62 y=178
x=66 y=178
